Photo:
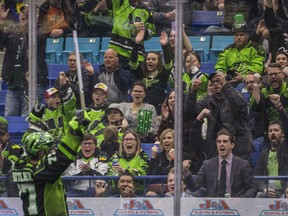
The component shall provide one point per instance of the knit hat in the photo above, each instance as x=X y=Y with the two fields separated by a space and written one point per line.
x=114 y=106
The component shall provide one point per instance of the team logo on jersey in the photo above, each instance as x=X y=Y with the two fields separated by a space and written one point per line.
x=5 y=210
x=75 y=207
x=279 y=207
x=138 y=207
x=214 y=207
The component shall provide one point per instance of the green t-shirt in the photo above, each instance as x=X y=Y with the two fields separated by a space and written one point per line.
x=273 y=167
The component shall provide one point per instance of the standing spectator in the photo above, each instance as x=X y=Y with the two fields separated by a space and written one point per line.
x=276 y=85
x=130 y=17
x=282 y=58
x=43 y=168
x=96 y=110
x=54 y=117
x=274 y=161
x=164 y=15
x=70 y=78
x=225 y=173
x=241 y=57
x=15 y=66
x=256 y=119
x=113 y=117
x=277 y=24
x=152 y=72
x=97 y=19
x=167 y=118
x=140 y=116
x=192 y=72
x=167 y=114
x=246 y=7
x=91 y=161
x=116 y=78
x=51 y=22
x=9 y=153
x=227 y=108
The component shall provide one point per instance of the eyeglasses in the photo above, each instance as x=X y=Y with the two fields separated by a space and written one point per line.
x=87 y=143
x=129 y=139
x=274 y=74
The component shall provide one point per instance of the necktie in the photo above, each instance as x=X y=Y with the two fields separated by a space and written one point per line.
x=222 y=183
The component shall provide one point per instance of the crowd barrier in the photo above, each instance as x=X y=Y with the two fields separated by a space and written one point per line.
x=160 y=206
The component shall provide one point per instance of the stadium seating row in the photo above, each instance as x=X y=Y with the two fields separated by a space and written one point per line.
x=203 y=19
x=92 y=49
x=17 y=127
x=54 y=69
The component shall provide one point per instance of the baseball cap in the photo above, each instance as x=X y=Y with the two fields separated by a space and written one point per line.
x=49 y=92
x=101 y=86
x=3 y=125
x=114 y=106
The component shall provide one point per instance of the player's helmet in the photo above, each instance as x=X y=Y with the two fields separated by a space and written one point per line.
x=37 y=141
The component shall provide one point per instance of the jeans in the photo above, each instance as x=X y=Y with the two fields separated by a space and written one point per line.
x=16 y=103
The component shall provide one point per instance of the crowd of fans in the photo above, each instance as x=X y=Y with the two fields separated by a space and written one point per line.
x=130 y=100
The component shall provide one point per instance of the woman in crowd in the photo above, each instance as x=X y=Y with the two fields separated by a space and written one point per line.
x=139 y=115
x=167 y=114
x=152 y=72
x=193 y=72
x=163 y=161
x=131 y=157
x=282 y=58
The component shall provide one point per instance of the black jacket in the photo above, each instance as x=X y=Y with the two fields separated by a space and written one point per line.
x=11 y=37
x=282 y=156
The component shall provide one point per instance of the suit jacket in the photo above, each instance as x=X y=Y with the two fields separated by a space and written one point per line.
x=241 y=180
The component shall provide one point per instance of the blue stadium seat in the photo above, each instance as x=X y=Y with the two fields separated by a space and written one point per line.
x=2 y=101
x=147 y=148
x=88 y=47
x=202 y=19
x=207 y=67
x=53 y=72
x=219 y=43
x=17 y=126
x=152 y=44
x=104 y=46
x=201 y=45
x=3 y=85
x=54 y=48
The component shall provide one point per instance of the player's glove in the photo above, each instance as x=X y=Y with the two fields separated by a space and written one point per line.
x=38 y=110
x=78 y=122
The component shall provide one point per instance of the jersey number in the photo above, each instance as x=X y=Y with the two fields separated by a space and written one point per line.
x=30 y=189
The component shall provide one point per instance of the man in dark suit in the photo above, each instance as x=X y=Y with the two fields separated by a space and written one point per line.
x=224 y=175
